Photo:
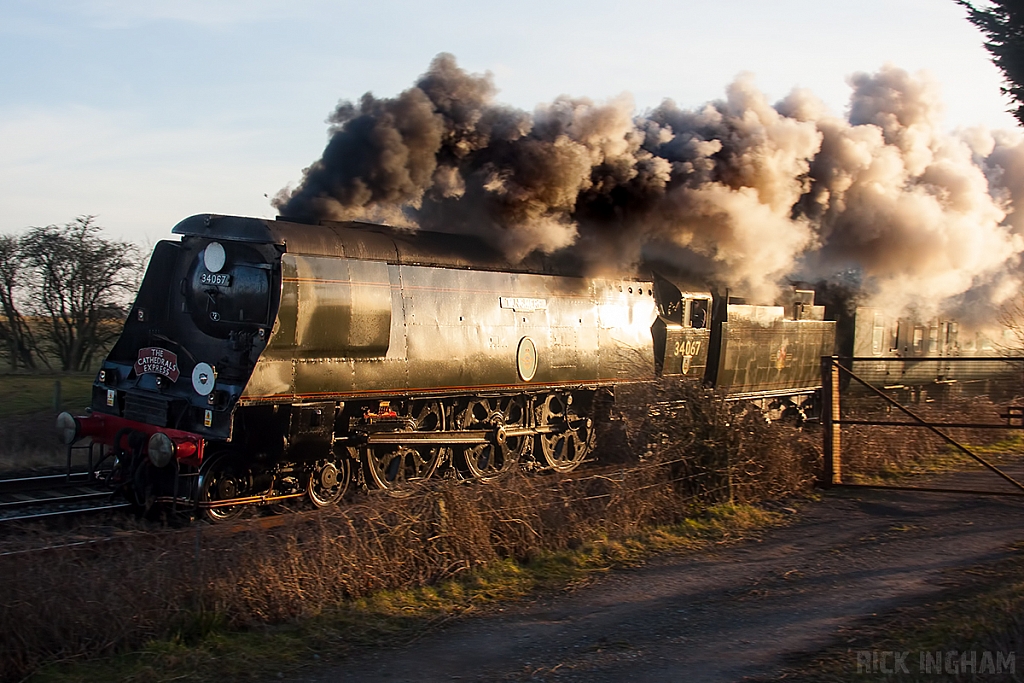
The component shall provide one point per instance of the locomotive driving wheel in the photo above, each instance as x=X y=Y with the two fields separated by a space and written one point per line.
x=226 y=477
x=571 y=438
x=328 y=481
x=397 y=469
x=489 y=461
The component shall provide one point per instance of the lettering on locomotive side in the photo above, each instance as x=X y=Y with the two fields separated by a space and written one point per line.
x=687 y=348
x=156 y=360
x=524 y=303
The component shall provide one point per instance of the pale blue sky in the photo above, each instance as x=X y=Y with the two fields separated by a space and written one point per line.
x=144 y=112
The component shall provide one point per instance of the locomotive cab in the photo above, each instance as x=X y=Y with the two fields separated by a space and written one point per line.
x=682 y=331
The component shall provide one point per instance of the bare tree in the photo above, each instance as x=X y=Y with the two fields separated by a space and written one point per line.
x=1011 y=317
x=15 y=332
x=80 y=286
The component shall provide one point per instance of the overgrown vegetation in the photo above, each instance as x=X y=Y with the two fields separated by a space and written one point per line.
x=463 y=544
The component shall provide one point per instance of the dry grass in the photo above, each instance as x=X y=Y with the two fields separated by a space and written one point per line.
x=86 y=602
x=880 y=453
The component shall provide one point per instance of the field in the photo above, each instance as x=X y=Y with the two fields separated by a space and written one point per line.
x=28 y=408
x=27 y=394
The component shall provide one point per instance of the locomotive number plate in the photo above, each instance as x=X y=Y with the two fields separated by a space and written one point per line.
x=219 y=279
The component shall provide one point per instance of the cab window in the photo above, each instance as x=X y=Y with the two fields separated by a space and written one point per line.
x=698 y=313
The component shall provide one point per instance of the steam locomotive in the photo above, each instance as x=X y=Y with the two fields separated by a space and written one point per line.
x=265 y=361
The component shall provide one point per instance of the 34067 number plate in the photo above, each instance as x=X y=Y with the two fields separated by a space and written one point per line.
x=219 y=279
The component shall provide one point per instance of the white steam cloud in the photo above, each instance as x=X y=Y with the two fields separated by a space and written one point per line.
x=740 y=192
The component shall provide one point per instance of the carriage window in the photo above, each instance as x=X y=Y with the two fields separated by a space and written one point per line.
x=918 y=339
x=878 y=334
x=933 y=338
x=699 y=313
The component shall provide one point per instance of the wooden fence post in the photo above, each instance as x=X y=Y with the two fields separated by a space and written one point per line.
x=833 y=473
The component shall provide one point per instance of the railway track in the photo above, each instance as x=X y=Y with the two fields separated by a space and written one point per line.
x=49 y=496
x=59 y=495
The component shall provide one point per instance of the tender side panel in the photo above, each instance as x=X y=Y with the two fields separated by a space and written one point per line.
x=458 y=333
x=778 y=356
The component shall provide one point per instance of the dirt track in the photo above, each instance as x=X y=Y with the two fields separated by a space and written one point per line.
x=737 y=612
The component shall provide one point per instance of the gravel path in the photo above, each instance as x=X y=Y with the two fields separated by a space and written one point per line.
x=738 y=611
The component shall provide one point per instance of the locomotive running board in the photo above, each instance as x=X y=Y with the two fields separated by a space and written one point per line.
x=455 y=437
x=209 y=504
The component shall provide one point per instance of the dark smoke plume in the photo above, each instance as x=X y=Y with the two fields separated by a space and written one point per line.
x=739 y=192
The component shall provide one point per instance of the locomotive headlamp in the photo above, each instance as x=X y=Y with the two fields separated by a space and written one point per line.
x=161 y=449
x=67 y=428
x=214 y=257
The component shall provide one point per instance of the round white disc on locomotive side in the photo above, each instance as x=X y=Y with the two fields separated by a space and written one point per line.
x=203 y=378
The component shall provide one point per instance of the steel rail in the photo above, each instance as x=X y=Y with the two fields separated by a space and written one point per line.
x=19 y=484
x=53 y=499
x=63 y=513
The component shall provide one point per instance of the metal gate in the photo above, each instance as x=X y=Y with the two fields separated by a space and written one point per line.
x=927 y=424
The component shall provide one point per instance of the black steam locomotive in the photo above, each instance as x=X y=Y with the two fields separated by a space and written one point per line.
x=264 y=361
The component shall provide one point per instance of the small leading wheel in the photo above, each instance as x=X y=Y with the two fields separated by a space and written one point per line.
x=226 y=477
x=489 y=461
x=571 y=437
x=328 y=481
x=397 y=469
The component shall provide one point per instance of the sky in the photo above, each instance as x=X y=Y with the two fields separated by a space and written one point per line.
x=145 y=112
